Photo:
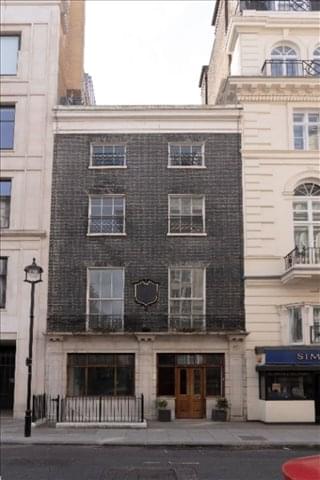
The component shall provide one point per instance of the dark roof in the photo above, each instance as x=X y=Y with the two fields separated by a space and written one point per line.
x=204 y=70
x=215 y=12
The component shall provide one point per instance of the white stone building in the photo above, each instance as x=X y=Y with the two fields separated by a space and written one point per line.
x=266 y=58
x=37 y=42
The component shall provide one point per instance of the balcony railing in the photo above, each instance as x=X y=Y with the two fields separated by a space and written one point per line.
x=106 y=224
x=291 y=68
x=315 y=334
x=186 y=224
x=140 y=323
x=303 y=256
x=280 y=5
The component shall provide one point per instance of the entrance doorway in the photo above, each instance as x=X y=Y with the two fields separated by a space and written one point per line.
x=7 y=370
x=190 y=397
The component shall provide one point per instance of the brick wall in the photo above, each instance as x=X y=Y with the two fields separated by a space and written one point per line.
x=146 y=251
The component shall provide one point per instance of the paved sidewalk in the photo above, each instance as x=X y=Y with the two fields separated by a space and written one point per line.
x=179 y=432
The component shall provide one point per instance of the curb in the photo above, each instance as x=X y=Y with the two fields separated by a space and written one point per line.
x=233 y=446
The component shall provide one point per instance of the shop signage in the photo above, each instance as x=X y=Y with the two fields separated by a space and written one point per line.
x=293 y=357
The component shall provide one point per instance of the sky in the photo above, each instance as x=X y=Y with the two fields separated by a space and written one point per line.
x=147 y=51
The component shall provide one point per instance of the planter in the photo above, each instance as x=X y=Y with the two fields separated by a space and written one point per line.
x=219 y=415
x=164 y=415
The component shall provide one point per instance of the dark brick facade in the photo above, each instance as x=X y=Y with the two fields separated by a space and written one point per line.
x=146 y=251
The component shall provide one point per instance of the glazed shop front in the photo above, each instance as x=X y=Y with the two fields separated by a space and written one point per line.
x=289 y=384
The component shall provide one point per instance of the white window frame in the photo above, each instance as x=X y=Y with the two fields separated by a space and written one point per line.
x=177 y=267
x=313 y=324
x=104 y=144
x=291 y=308
x=188 y=234
x=187 y=144
x=89 y=269
x=310 y=223
x=18 y=37
x=111 y=234
x=305 y=124
x=4 y=197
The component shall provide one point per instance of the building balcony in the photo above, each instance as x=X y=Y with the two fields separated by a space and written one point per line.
x=302 y=264
x=140 y=323
x=315 y=334
x=280 y=5
x=291 y=68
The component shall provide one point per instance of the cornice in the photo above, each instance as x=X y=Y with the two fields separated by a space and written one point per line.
x=276 y=89
x=153 y=119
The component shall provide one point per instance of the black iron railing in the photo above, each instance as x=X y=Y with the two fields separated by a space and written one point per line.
x=303 y=256
x=102 y=408
x=106 y=224
x=315 y=333
x=280 y=5
x=186 y=159
x=291 y=68
x=39 y=407
x=186 y=224
x=140 y=322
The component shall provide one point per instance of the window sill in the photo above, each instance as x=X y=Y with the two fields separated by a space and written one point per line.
x=106 y=234
x=188 y=167
x=186 y=234
x=107 y=167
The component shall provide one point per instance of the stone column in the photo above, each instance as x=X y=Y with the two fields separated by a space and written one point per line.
x=146 y=373
x=237 y=372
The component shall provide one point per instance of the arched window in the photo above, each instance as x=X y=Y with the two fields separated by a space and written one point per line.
x=306 y=218
x=316 y=61
x=284 y=62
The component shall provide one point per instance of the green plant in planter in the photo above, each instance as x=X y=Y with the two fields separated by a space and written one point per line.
x=220 y=412
x=161 y=403
x=222 y=403
x=164 y=414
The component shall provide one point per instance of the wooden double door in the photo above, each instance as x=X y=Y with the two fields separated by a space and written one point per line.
x=190 y=392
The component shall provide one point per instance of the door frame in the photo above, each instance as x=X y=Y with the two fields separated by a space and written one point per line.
x=190 y=396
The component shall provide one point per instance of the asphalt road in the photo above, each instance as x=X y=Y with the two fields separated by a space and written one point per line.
x=27 y=462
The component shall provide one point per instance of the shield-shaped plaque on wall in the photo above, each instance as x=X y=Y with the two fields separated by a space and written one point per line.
x=146 y=292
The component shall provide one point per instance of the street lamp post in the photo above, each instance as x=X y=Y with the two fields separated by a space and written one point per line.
x=33 y=275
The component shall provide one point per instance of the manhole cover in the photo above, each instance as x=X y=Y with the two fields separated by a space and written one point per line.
x=176 y=472
x=251 y=437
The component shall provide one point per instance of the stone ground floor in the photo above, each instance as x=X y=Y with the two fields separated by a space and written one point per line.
x=190 y=372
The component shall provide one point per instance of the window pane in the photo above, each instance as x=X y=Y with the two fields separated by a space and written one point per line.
x=298 y=137
x=183 y=381
x=9 y=46
x=166 y=359
x=316 y=240
x=301 y=237
x=6 y=128
x=213 y=380
x=107 y=206
x=4 y=212
x=296 y=325
x=300 y=211
x=166 y=381
x=175 y=206
x=125 y=359
x=288 y=386
x=125 y=381
x=117 y=284
x=316 y=211
x=101 y=381
x=76 y=381
x=5 y=188
x=106 y=283
x=197 y=283
x=313 y=132
x=94 y=283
